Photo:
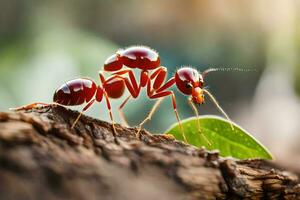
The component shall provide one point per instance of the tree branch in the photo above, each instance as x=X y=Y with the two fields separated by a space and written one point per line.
x=41 y=157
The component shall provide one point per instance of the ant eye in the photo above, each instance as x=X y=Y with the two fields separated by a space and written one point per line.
x=188 y=85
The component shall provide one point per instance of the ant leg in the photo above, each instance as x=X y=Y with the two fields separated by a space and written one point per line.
x=198 y=119
x=30 y=106
x=121 y=113
x=132 y=88
x=110 y=114
x=80 y=114
x=219 y=107
x=196 y=112
x=101 y=76
x=149 y=116
x=102 y=79
x=131 y=85
x=131 y=77
x=167 y=93
x=159 y=77
x=157 y=71
x=167 y=85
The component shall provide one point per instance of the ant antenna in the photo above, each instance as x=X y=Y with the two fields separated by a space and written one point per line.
x=219 y=107
x=226 y=70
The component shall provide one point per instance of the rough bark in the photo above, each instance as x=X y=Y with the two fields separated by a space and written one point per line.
x=41 y=157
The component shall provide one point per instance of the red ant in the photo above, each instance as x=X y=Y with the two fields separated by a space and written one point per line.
x=188 y=80
x=84 y=90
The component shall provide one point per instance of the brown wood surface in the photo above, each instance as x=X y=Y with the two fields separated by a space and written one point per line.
x=41 y=157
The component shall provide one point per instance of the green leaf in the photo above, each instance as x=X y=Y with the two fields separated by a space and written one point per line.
x=236 y=143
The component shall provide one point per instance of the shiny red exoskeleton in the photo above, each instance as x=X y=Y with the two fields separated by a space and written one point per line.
x=84 y=90
x=140 y=57
x=153 y=76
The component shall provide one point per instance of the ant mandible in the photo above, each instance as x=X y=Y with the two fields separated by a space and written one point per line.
x=187 y=79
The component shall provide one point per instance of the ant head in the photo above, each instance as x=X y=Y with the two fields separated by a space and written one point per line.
x=190 y=82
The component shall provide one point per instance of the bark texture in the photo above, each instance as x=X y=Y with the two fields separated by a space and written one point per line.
x=41 y=157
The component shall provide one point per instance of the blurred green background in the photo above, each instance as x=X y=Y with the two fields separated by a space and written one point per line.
x=45 y=43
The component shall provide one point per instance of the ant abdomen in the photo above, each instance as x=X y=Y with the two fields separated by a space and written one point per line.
x=140 y=57
x=75 y=92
